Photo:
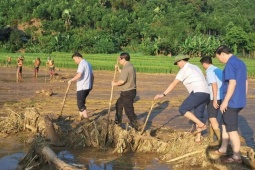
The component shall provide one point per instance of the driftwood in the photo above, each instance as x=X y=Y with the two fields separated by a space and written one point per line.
x=52 y=159
x=39 y=154
x=186 y=155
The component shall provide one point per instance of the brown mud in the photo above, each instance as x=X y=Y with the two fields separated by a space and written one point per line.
x=47 y=96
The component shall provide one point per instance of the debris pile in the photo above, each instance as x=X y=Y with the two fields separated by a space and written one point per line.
x=170 y=145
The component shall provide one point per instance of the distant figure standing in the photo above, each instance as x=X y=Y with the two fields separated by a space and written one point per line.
x=85 y=80
x=51 y=65
x=214 y=80
x=8 y=62
x=19 y=70
x=36 y=67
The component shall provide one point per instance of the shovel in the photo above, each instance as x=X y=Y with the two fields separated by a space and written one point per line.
x=152 y=105
x=63 y=103
x=110 y=104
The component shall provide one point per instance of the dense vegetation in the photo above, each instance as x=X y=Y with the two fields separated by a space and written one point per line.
x=151 y=27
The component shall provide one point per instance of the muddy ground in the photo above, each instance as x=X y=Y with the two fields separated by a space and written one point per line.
x=18 y=96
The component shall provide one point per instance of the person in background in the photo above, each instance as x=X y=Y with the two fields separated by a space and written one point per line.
x=37 y=63
x=127 y=84
x=193 y=79
x=85 y=81
x=19 y=66
x=214 y=80
x=8 y=61
x=235 y=87
x=51 y=65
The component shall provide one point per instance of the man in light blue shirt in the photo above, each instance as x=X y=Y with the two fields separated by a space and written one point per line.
x=214 y=80
x=85 y=79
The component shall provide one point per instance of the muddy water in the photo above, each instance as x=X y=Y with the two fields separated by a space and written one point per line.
x=11 y=152
x=95 y=159
x=91 y=158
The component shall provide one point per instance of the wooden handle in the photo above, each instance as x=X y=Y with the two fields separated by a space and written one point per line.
x=64 y=99
x=152 y=105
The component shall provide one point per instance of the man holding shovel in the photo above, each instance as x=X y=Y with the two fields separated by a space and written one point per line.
x=193 y=79
x=127 y=83
x=85 y=79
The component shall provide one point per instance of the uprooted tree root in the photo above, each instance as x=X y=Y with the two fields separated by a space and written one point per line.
x=172 y=146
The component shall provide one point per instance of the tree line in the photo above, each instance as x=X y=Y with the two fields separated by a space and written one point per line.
x=151 y=27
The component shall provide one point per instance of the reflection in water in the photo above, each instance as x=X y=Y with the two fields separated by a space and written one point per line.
x=94 y=159
x=11 y=151
x=10 y=162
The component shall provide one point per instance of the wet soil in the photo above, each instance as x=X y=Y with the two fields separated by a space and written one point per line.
x=18 y=96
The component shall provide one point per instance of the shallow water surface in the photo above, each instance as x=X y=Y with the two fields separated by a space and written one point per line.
x=95 y=159
x=12 y=151
x=10 y=162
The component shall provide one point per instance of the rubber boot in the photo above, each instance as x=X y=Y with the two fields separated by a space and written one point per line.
x=211 y=134
x=118 y=118
x=218 y=141
x=136 y=124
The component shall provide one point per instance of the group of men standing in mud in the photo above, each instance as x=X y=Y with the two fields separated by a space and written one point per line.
x=36 y=64
x=223 y=91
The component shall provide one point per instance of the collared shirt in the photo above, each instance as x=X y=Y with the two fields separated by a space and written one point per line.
x=235 y=69
x=192 y=78
x=84 y=83
x=128 y=75
x=214 y=75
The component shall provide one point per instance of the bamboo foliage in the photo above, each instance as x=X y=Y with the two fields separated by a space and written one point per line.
x=198 y=45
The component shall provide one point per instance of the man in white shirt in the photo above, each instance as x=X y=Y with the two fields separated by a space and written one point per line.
x=193 y=79
x=85 y=79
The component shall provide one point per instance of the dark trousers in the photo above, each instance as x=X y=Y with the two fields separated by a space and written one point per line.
x=81 y=99
x=125 y=101
x=196 y=101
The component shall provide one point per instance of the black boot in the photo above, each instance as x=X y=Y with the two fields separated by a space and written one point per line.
x=136 y=124
x=118 y=118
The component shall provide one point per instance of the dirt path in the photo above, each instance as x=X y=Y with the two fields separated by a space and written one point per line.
x=22 y=95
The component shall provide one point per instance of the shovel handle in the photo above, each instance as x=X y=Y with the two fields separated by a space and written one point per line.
x=152 y=105
x=109 y=107
x=63 y=103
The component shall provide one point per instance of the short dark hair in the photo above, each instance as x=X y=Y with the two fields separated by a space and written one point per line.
x=206 y=59
x=125 y=55
x=224 y=49
x=76 y=54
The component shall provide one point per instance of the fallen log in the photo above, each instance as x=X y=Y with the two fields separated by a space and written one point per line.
x=41 y=156
x=52 y=159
